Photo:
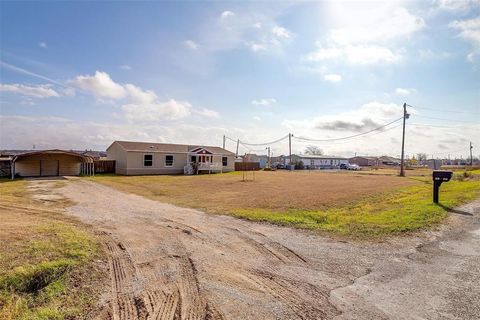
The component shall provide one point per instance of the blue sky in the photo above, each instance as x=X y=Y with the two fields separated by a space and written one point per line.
x=80 y=74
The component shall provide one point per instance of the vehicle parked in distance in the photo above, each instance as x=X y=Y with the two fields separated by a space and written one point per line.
x=353 y=167
x=344 y=166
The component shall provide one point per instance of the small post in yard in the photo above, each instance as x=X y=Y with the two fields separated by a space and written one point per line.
x=471 y=156
x=402 y=161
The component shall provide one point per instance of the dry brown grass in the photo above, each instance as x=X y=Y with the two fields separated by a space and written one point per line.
x=280 y=190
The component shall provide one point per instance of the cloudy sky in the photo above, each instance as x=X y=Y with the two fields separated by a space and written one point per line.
x=80 y=75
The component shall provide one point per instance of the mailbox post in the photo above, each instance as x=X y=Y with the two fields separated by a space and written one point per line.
x=439 y=176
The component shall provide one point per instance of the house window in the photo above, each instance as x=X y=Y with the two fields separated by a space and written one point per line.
x=169 y=160
x=312 y=162
x=225 y=161
x=148 y=160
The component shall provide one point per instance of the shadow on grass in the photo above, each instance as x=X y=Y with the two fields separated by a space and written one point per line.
x=448 y=209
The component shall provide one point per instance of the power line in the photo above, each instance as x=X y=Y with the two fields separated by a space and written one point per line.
x=443 y=119
x=265 y=143
x=348 y=137
x=441 y=110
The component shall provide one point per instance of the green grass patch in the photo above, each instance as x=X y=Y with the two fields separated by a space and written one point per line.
x=406 y=209
x=47 y=261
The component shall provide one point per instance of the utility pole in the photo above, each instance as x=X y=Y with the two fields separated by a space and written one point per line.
x=402 y=164
x=471 y=156
x=290 y=148
x=236 y=153
x=223 y=141
x=268 y=157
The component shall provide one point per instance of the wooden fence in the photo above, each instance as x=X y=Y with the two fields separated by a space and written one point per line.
x=247 y=166
x=104 y=166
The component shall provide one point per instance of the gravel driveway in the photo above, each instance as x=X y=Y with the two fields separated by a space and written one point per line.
x=174 y=263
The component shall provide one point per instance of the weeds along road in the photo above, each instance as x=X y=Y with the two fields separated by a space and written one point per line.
x=168 y=262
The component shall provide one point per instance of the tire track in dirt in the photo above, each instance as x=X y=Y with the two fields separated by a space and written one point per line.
x=179 y=299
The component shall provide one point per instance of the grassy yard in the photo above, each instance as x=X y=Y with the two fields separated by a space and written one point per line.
x=50 y=266
x=349 y=203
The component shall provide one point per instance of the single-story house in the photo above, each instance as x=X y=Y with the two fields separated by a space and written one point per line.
x=143 y=158
x=317 y=161
x=364 y=161
x=47 y=163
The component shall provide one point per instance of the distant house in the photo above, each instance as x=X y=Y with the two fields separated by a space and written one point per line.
x=317 y=161
x=145 y=158
x=389 y=161
x=261 y=159
x=364 y=161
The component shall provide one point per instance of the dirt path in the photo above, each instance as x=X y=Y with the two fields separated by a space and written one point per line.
x=174 y=263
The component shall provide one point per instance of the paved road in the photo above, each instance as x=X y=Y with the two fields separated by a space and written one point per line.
x=175 y=263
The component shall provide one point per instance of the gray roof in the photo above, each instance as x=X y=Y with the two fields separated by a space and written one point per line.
x=167 y=147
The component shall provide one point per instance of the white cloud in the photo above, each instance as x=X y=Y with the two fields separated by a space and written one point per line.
x=226 y=14
x=125 y=67
x=42 y=45
x=190 y=44
x=157 y=110
x=355 y=54
x=255 y=47
x=264 y=102
x=405 y=91
x=48 y=132
x=334 y=78
x=457 y=5
x=41 y=91
x=385 y=23
x=281 y=32
x=364 y=34
x=256 y=118
x=207 y=113
x=101 y=85
x=137 y=104
x=470 y=31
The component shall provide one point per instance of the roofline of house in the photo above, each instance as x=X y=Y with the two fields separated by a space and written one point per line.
x=174 y=144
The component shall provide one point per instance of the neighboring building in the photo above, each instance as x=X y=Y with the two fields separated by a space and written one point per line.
x=143 y=158
x=364 y=161
x=389 y=161
x=47 y=163
x=317 y=161
x=261 y=159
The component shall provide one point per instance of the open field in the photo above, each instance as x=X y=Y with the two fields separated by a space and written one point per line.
x=49 y=264
x=352 y=203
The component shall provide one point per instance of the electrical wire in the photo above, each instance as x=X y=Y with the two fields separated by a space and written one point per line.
x=263 y=144
x=443 y=119
x=348 y=137
x=440 y=110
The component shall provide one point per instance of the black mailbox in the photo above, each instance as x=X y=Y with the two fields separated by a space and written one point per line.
x=439 y=176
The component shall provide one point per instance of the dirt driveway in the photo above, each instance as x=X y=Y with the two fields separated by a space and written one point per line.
x=174 y=263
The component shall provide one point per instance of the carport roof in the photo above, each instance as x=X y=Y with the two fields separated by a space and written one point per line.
x=54 y=151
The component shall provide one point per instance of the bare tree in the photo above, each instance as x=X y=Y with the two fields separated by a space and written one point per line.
x=421 y=156
x=314 y=150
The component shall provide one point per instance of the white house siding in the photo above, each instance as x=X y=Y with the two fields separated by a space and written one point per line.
x=116 y=152
x=230 y=162
x=135 y=163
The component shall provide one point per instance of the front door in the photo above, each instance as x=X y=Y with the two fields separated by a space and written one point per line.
x=48 y=168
